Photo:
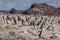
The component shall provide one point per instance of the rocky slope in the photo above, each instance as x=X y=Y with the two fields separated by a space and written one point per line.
x=42 y=8
x=29 y=27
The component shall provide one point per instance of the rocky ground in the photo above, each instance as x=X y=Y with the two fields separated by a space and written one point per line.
x=29 y=27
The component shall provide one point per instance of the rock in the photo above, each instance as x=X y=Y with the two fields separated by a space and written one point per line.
x=13 y=10
x=41 y=8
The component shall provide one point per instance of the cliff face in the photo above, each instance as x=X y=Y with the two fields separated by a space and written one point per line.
x=29 y=27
